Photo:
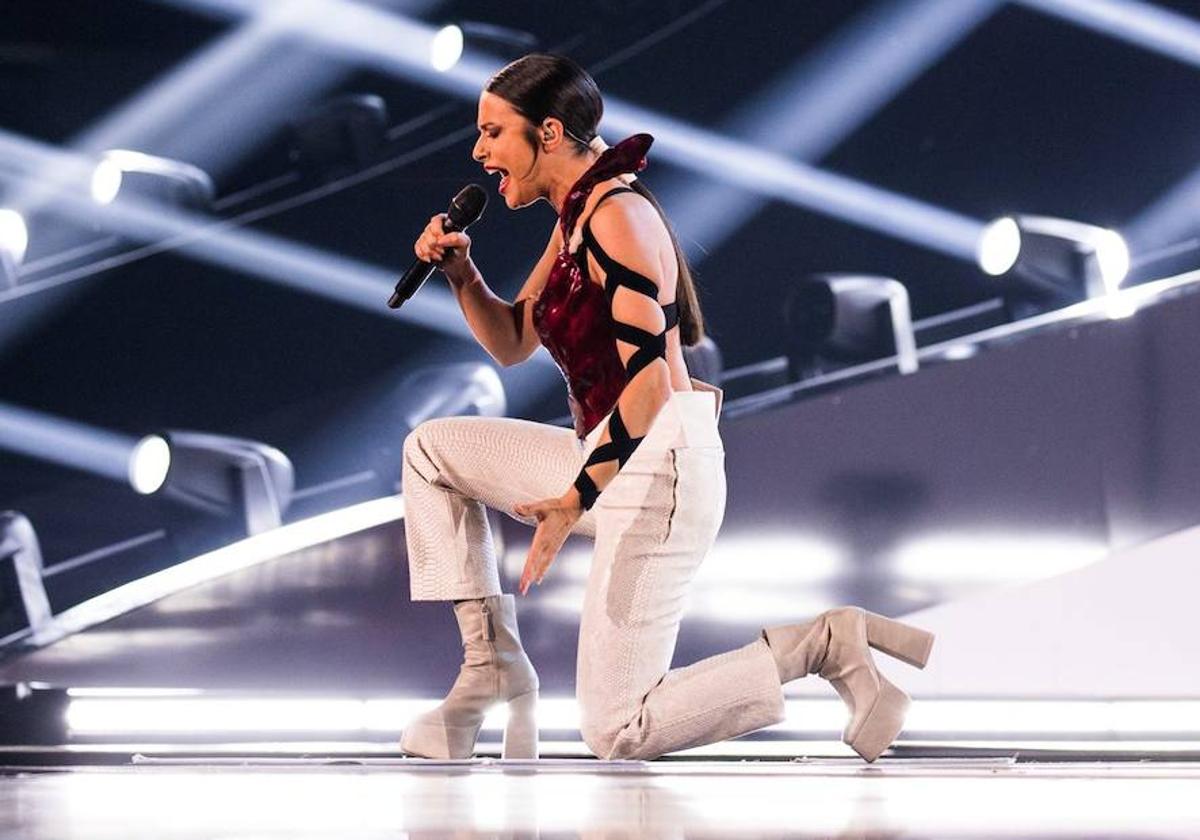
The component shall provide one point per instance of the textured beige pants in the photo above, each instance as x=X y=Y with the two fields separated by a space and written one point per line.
x=652 y=525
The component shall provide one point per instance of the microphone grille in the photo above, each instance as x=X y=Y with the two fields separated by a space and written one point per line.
x=468 y=205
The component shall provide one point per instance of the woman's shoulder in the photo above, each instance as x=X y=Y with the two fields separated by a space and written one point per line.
x=627 y=218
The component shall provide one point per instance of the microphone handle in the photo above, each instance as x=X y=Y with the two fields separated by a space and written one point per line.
x=419 y=271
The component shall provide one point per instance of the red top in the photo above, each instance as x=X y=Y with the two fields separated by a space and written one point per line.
x=572 y=316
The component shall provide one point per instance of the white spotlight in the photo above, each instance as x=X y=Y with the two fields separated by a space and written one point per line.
x=163 y=180
x=14 y=235
x=106 y=181
x=1112 y=254
x=446 y=48
x=999 y=246
x=1052 y=262
x=228 y=476
x=149 y=463
x=451 y=389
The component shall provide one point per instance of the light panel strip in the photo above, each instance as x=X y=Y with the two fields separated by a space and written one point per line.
x=113 y=714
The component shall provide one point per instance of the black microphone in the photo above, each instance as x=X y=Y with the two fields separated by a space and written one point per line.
x=464 y=210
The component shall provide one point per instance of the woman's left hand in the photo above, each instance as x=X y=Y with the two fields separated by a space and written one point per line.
x=555 y=519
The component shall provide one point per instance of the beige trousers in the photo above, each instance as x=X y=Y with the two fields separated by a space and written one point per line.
x=653 y=525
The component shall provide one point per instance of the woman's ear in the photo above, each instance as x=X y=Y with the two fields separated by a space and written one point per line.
x=550 y=132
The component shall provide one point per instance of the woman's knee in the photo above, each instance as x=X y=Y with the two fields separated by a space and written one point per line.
x=612 y=743
x=599 y=739
x=602 y=727
x=421 y=446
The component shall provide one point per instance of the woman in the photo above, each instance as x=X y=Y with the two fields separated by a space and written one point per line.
x=643 y=473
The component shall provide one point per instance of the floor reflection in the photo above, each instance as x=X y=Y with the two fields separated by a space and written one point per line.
x=590 y=799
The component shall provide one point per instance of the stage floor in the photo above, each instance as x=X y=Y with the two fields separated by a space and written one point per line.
x=252 y=798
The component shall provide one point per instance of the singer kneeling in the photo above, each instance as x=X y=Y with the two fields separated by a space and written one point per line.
x=642 y=473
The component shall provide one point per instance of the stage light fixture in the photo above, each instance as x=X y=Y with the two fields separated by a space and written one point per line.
x=23 y=602
x=149 y=463
x=503 y=42
x=223 y=475
x=848 y=318
x=999 y=246
x=452 y=389
x=340 y=136
x=14 y=235
x=123 y=172
x=446 y=48
x=1044 y=260
x=14 y=240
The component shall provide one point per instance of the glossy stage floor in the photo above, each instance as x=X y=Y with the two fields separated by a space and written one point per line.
x=326 y=618
x=171 y=795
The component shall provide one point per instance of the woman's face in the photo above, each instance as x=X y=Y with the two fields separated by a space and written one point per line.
x=503 y=148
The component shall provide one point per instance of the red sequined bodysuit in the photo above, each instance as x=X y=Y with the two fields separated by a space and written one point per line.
x=572 y=313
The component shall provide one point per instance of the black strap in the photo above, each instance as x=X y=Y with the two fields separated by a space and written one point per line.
x=650 y=346
x=619 y=448
x=616 y=275
x=671 y=310
x=581 y=254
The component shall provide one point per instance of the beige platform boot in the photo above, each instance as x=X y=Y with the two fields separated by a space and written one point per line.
x=495 y=669
x=835 y=645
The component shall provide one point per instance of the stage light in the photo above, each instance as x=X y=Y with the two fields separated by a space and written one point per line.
x=448 y=390
x=1047 y=260
x=446 y=48
x=224 y=475
x=255 y=253
x=372 y=35
x=1112 y=257
x=149 y=463
x=999 y=246
x=159 y=179
x=14 y=235
x=14 y=240
x=341 y=136
x=106 y=182
x=502 y=43
x=147 y=713
x=20 y=552
x=848 y=318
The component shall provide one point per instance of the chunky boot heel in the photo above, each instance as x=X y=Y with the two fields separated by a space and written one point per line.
x=837 y=645
x=521 y=731
x=878 y=728
x=903 y=641
x=494 y=667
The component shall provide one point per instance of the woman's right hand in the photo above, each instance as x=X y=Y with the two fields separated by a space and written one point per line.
x=434 y=246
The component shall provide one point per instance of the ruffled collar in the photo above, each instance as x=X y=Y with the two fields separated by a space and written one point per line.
x=627 y=156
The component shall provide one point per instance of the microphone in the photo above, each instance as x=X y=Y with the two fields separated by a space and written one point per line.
x=464 y=210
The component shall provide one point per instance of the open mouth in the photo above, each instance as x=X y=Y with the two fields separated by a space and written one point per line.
x=503 y=173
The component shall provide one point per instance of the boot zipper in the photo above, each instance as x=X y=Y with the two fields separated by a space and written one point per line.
x=489 y=632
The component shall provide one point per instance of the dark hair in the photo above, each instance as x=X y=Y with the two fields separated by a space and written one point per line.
x=541 y=85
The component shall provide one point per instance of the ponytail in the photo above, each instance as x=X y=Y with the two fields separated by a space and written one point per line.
x=691 y=320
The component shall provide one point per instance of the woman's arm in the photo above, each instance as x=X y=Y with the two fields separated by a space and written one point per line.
x=635 y=237
x=504 y=329
x=631 y=233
